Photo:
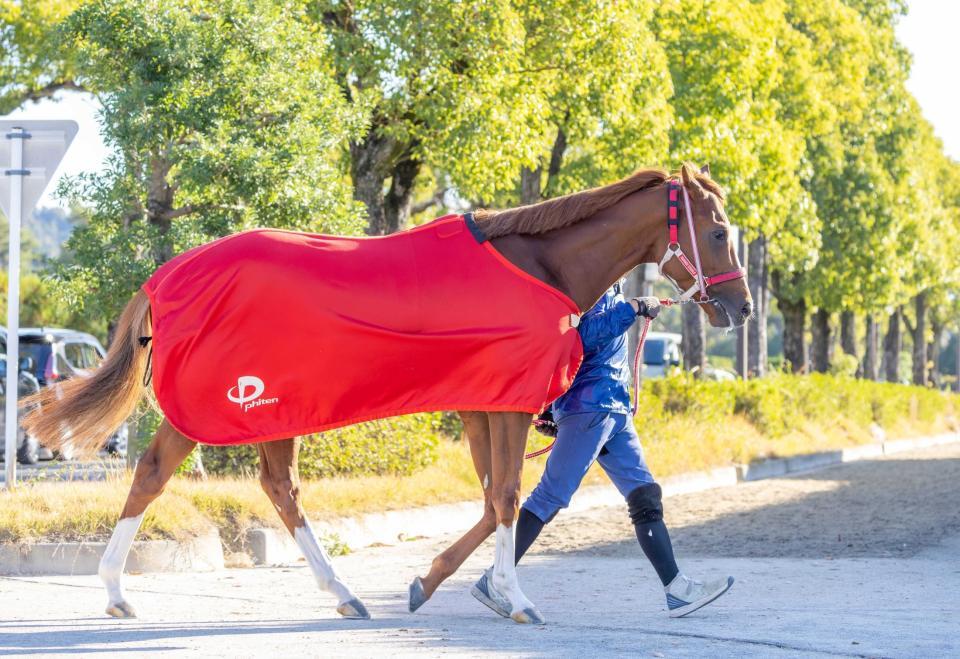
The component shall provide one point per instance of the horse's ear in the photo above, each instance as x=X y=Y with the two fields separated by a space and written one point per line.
x=688 y=175
x=705 y=170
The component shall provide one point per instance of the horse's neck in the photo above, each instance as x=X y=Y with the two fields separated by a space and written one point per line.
x=584 y=259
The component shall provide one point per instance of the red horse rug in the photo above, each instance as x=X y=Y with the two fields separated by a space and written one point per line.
x=271 y=334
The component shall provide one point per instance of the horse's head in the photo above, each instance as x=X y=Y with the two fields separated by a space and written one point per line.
x=708 y=270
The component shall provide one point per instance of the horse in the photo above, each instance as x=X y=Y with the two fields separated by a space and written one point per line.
x=583 y=243
x=564 y=253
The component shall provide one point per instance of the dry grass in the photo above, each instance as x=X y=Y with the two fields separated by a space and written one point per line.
x=88 y=510
x=58 y=511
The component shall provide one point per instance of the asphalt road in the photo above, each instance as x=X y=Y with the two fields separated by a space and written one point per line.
x=856 y=560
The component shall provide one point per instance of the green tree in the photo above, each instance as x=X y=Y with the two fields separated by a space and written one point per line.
x=222 y=116
x=603 y=84
x=445 y=87
x=852 y=181
x=744 y=99
x=33 y=62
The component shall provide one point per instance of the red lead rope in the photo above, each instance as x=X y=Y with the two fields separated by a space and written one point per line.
x=638 y=356
x=637 y=361
x=545 y=449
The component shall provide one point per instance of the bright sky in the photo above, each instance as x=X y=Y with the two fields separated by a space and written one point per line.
x=928 y=31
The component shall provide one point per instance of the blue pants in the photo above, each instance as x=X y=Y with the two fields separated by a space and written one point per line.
x=580 y=439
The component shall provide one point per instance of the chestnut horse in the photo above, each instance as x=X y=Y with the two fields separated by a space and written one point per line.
x=579 y=244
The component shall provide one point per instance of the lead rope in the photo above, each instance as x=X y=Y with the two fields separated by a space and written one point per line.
x=638 y=355
x=545 y=449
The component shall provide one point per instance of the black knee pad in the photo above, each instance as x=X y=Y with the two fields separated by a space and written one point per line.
x=645 y=504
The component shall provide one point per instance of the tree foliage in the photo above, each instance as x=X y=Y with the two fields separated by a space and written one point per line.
x=339 y=116
x=222 y=116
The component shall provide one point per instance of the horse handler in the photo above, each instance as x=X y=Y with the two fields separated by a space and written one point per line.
x=593 y=422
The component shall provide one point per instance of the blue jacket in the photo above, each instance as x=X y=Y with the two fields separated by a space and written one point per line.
x=603 y=381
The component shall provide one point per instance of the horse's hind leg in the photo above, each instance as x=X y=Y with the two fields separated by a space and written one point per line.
x=281 y=481
x=166 y=452
x=477 y=429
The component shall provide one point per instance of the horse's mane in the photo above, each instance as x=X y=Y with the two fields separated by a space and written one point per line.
x=566 y=210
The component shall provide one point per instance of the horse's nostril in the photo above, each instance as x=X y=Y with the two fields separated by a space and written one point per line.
x=746 y=310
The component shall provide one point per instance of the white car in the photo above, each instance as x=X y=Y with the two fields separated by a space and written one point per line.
x=661 y=352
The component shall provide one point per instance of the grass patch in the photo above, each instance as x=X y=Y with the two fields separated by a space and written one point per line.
x=685 y=426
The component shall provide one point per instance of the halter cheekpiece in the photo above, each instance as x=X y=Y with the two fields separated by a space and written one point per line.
x=700 y=283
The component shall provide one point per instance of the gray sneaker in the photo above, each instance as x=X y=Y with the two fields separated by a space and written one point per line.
x=685 y=595
x=483 y=591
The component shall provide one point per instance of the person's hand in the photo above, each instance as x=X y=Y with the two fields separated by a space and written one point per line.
x=545 y=425
x=648 y=307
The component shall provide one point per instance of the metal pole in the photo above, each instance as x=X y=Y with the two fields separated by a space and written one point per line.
x=16 y=137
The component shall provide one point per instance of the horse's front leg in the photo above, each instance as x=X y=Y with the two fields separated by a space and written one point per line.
x=508 y=440
x=477 y=428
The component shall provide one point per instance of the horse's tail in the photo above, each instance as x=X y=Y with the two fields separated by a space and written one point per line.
x=85 y=410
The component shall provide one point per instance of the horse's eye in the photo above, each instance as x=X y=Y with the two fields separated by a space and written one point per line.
x=720 y=235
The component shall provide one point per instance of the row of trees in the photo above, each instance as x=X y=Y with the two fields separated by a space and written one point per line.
x=352 y=116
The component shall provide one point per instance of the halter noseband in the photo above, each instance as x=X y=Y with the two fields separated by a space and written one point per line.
x=700 y=283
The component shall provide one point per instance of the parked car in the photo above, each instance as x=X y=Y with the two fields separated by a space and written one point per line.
x=661 y=352
x=60 y=354
x=28 y=449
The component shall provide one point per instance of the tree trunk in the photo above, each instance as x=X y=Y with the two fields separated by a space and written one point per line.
x=870 y=362
x=556 y=159
x=694 y=340
x=920 y=340
x=821 y=341
x=892 y=344
x=160 y=204
x=399 y=199
x=369 y=169
x=933 y=352
x=530 y=185
x=794 y=333
x=848 y=333
x=757 y=280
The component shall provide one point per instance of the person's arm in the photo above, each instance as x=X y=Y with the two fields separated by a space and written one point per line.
x=600 y=328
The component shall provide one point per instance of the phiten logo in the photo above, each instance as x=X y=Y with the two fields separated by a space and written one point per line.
x=247 y=393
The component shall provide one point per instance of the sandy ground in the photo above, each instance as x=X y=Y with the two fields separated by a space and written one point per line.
x=892 y=508
x=856 y=560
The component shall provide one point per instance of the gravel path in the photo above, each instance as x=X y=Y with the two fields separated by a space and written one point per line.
x=890 y=507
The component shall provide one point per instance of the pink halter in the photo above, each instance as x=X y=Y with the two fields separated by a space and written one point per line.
x=700 y=283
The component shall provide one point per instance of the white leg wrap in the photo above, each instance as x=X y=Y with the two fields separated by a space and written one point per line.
x=115 y=556
x=505 y=571
x=320 y=563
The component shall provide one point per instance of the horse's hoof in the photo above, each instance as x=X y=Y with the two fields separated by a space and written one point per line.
x=121 y=609
x=417 y=596
x=354 y=610
x=529 y=616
